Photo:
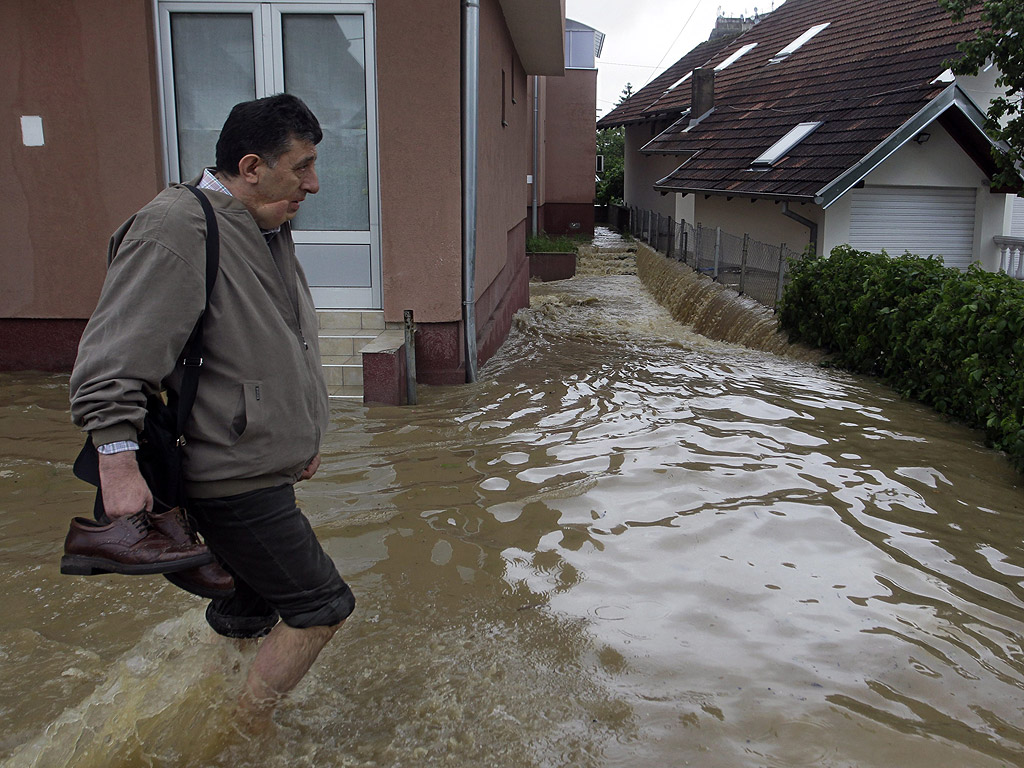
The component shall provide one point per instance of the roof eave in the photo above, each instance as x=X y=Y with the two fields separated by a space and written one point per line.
x=658 y=187
x=537 y=28
x=953 y=97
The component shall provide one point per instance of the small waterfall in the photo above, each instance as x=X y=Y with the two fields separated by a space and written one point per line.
x=714 y=310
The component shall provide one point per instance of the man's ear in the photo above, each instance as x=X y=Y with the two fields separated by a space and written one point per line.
x=248 y=166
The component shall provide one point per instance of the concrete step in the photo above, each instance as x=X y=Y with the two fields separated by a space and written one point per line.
x=350 y=319
x=341 y=344
x=344 y=371
x=345 y=393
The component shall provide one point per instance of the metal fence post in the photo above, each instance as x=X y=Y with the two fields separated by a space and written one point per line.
x=410 y=357
x=782 y=274
x=743 y=262
x=718 y=249
x=698 y=246
x=686 y=241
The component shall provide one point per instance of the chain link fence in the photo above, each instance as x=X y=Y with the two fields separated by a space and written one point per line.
x=753 y=268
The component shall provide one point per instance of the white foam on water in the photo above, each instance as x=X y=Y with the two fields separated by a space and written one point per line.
x=166 y=701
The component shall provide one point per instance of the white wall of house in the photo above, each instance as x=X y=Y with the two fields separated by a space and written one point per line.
x=643 y=170
x=938 y=163
x=763 y=220
x=686 y=204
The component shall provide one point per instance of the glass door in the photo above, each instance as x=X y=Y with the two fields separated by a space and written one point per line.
x=217 y=54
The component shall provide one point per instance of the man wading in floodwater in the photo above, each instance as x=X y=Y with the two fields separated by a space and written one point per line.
x=261 y=408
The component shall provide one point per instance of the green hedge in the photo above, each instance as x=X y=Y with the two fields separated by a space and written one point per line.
x=951 y=339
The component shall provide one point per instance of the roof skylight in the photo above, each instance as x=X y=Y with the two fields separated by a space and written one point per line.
x=778 y=150
x=680 y=81
x=735 y=55
x=790 y=49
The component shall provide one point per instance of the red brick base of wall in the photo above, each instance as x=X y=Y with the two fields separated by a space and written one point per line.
x=440 y=347
x=566 y=219
x=552 y=266
x=39 y=345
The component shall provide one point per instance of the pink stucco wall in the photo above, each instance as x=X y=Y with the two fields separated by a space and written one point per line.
x=572 y=147
x=418 y=96
x=66 y=63
x=421 y=178
x=500 y=173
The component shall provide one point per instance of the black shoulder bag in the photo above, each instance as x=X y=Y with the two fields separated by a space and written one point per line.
x=163 y=433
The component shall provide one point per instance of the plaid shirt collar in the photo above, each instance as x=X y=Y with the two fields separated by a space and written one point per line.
x=211 y=182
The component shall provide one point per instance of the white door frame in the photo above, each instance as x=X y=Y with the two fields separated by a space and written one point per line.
x=269 y=78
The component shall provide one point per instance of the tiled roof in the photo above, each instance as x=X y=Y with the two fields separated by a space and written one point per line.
x=647 y=102
x=862 y=77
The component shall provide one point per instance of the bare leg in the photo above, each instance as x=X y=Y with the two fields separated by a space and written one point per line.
x=284 y=656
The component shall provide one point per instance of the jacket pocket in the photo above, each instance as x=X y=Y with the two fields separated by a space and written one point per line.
x=248 y=410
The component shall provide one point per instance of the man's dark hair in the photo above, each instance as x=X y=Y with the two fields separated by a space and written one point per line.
x=264 y=127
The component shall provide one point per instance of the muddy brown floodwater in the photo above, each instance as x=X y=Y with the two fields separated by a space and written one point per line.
x=626 y=545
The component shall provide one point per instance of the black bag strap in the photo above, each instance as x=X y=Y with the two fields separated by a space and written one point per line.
x=86 y=466
x=192 y=354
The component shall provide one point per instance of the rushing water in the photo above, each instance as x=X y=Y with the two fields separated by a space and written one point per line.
x=627 y=545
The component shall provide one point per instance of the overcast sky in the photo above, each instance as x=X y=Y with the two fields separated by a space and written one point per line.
x=645 y=37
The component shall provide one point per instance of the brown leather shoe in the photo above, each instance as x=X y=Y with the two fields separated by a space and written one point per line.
x=129 y=544
x=208 y=580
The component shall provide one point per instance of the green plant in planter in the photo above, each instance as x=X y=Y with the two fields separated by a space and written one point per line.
x=545 y=243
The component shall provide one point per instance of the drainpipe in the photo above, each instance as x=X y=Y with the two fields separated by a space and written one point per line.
x=536 y=139
x=470 y=129
x=801 y=220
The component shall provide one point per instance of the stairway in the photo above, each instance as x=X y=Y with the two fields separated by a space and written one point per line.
x=344 y=333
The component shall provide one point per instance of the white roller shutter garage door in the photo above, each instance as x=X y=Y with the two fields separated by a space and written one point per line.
x=1017 y=224
x=923 y=220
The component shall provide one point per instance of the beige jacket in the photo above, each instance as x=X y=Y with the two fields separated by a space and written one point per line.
x=262 y=403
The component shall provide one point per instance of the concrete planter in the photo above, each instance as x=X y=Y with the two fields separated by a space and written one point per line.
x=552 y=266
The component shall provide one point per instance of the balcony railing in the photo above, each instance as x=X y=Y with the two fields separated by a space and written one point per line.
x=1011 y=256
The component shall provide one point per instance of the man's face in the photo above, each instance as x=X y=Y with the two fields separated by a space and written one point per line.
x=281 y=187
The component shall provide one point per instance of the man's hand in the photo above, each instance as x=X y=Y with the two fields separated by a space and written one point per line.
x=311 y=468
x=124 y=489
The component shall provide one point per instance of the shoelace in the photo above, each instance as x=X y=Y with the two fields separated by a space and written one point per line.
x=186 y=523
x=141 y=522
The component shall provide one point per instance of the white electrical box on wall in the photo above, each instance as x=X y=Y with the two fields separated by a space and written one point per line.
x=32 y=130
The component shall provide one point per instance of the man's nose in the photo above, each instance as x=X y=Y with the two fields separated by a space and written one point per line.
x=311 y=184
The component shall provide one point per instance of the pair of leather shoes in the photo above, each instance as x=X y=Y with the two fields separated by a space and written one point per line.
x=146 y=543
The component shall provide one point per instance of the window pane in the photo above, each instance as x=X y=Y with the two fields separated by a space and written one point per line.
x=214 y=69
x=324 y=65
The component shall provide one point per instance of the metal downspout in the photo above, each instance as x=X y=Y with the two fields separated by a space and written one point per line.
x=470 y=130
x=536 y=141
x=801 y=220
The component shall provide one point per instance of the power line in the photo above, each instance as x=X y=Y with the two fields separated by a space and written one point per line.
x=681 y=30
x=620 y=64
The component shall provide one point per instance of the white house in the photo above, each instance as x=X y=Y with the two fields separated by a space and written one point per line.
x=827 y=122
